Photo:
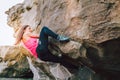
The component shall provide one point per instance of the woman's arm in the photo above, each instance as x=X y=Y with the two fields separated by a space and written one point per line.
x=34 y=35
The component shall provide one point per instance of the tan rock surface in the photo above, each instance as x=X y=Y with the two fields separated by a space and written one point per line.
x=13 y=62
x=92 y=25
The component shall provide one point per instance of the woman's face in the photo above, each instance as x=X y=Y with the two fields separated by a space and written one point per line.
x=28 y=29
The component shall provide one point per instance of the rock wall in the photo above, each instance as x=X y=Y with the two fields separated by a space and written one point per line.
x=96 y=20
x=92 y=25
x=13 y=62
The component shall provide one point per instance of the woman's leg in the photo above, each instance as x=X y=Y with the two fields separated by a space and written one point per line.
x=43 y=52
x=45 y=32
x=42 y=48
x=46 y=55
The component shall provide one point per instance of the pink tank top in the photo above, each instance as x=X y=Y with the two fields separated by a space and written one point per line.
x=31 y=45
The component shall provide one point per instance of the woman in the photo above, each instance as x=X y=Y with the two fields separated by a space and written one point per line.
x=39 y=48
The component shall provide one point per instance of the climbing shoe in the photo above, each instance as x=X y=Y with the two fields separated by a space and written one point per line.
x=63 y=38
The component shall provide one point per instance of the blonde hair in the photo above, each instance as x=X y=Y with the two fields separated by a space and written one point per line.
x=20 y=33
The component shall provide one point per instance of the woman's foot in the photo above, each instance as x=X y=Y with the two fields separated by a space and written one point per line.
x=62 y=38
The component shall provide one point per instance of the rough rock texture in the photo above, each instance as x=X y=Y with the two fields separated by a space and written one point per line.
x=92 y=25
x=13 y=62
x=16 y=62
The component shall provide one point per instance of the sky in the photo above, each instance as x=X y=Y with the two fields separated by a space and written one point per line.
x=6 y=32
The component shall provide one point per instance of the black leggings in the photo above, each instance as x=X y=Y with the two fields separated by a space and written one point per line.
x=43 y=51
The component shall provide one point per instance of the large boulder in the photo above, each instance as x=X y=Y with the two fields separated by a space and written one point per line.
x=17 y=62
x=92 y=25
x=13 y=62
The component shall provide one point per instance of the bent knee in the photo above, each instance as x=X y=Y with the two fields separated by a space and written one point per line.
x=44 y=28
